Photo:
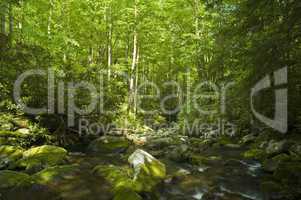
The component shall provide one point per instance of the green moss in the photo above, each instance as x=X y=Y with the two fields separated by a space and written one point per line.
x=53 y=174
x=9 y=155
x=43 y=156
x=119 y=177
x=13 y=134
x=123 y=178
x=109 y=144
x=9 y=179
x=11 y=151
x=126 y=194
x=255 y=154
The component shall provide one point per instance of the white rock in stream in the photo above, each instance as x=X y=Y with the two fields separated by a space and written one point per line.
x=199 y=195
x=141 y=159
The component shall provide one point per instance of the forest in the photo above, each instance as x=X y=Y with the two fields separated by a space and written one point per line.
x=150 y=99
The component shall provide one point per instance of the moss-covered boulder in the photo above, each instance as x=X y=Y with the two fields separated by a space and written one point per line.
x=121 y=179
x=12 y=179
x=148 y=171
x=55 y=174
x=248 y=139
x=126 y=194
x=128 y=182
x=255 y=153
x=9 y=155
x=288 y=175
x=41 y=157
x=275 y=147
x=109 y=144
x=270 y=165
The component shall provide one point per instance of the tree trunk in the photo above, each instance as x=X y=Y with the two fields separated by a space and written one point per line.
x=50 y=19
x=197 y=34
x=11 y=23
x=109 y=19
x=3 y=20
x=136 y=81
x=134 y=60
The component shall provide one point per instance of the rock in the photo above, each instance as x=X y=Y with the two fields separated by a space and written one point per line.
x=11 y=134
x=146 y=173
x=20 y=122
x=275 y=148
x=288 y=175
x=108 y=144
x=127 y=194
x=24 y=131
x=296 y=149
x=119 y=177
x=248 y=139
x=202 y=169
x=146 y=166
x=272 y=190
x=270 y=165
x=179 y=153
x=54 y=174
x=159 y=143
x=11 y=179
x=41 y=157
x=6 y=127
x=182 y=172
x=9 y=155
x=233 y=146
x=255 y=154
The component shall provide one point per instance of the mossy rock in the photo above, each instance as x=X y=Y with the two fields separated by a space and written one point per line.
x=119 y=177
x=20 y=122
x=12 y=179
x=43 y=156
x=13 y=138
x=270 y=165
x=144 y=177
x=12 y=134
x=258 y=154
x=9 y=155
x=54 y=174
x=109 y=144
x=126 y=194
x=289 y=172
x=6 y=126
x=275 y=147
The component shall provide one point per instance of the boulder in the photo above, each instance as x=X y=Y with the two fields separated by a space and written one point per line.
x=146 y=166
x=126 y=194
x=179 y=153
x=258 y=154
x=248 y=139
x=24 y=131
x=41 y=157
x=121 y=179
x=270 y=165
x=9 y=155
x=296 y=149
x=54 y=174
x=6 y=126
x=275 y=148
x=144 y=175
x=233 y=146
x=12 y=179
x=109 y=144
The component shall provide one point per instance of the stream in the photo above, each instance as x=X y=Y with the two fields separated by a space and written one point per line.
x=229 y=178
